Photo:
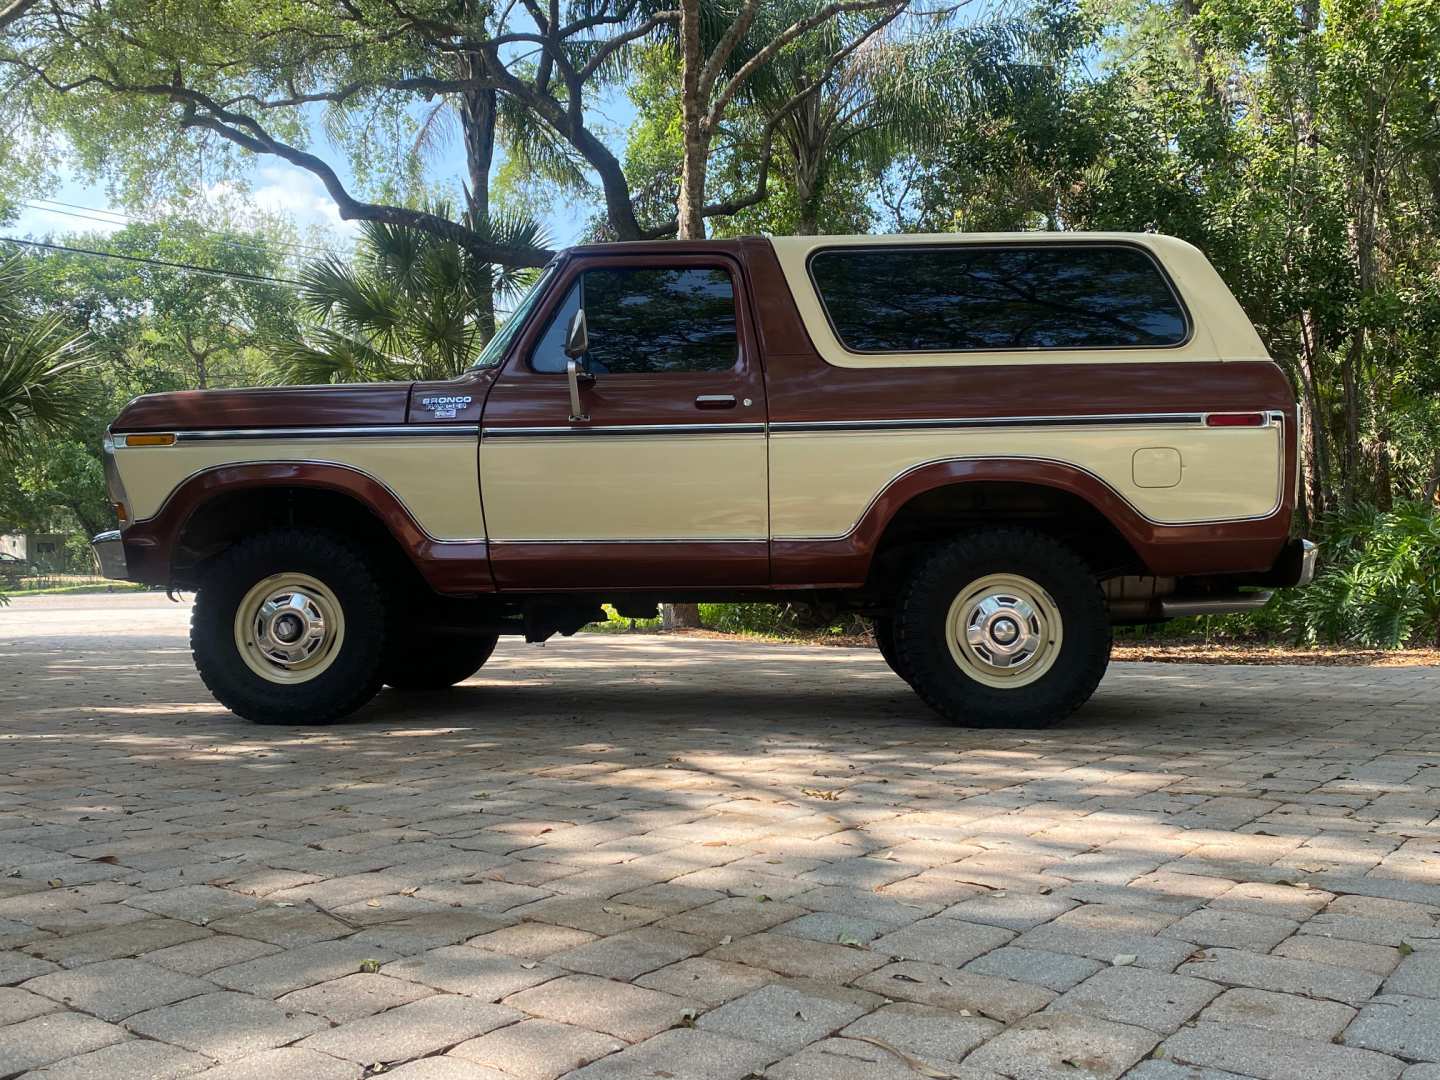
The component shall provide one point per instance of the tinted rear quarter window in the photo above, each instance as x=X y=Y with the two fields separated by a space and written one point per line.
x=968 y=298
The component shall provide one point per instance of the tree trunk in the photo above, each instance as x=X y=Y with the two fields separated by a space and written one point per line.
x=690 y=206
x=477 y=125
x=680 y=617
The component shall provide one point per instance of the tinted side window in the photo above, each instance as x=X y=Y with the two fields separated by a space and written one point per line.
x=648 y=320
x=965 y=298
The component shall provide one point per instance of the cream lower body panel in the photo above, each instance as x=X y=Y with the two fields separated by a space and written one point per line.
x=823 y=482
x=436 y=478
x=625 y=487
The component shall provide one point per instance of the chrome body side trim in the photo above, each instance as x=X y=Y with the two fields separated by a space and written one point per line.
x=388 y=431
x=620 y=430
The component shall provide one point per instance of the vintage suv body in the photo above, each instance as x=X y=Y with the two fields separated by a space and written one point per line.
x=996 y=446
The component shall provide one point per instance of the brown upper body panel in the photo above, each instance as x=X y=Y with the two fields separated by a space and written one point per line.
x=267 y=407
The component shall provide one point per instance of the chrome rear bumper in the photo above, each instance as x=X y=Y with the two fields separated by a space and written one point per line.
x=109 y=554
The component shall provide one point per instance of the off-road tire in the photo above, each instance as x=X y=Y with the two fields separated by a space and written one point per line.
x=883 y=627
x=921 y=633
x=431 y=662
x=351 y=679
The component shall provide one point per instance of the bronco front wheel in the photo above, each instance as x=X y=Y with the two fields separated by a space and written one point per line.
x=1003 y=628
x=288 y=627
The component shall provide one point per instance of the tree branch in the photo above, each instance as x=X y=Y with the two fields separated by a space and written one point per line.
x=14 y=10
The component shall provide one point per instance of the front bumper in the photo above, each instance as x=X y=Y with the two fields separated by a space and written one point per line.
x=110 y=554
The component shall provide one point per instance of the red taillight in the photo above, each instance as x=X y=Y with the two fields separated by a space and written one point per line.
x=1234 y=419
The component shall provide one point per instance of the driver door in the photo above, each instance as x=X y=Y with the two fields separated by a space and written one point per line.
x=661 y=480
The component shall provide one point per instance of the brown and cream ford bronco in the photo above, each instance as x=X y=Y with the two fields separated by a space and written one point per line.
x=996 y=447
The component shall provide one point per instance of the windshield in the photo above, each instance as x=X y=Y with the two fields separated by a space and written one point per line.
x=495 y=350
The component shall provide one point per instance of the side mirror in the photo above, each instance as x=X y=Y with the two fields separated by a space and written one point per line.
x=577 y=336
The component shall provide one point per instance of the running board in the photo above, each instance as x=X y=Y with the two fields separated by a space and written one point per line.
x=1176 y=607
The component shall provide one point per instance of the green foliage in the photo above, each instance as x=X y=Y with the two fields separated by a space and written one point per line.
x=41 y=392
x=409 y=306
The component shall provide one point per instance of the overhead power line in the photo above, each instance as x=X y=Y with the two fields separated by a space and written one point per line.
x=188 y=268
x=115 y=217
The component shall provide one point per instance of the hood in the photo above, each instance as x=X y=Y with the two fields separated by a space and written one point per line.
x=266 y=407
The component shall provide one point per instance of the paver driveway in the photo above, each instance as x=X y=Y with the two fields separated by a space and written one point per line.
x=639 y=857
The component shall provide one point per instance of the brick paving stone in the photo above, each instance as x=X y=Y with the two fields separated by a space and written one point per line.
x=289 y=1062
x=537 y=1049
x=935 y=1036
x=443 y=1068
x=1232 y=929
x=476 y=973
x=1408 y=1027
x=201 y=904
x=684 y=1055
x=1013 y=911
x=1131 y=995
x=1054 y=971
x=1147 y=826
x=629 y=1012
x=116 y=989
x=1270 y=1055
x=52 y=1037
x=598 y=916
x=112 y=943
x=16 y=967
x=532 y=941
x=1418 y=975
x=17 y=1005
x=207 y=954
x=942 y=941
x=1291 y=1014
x=224 y=1025
x=286 y=927
x=796 y=956
x=418 y=933
x=354 y=996
x=1060 y=1046
x=779 y=1016
x=1234 y=967
x=712 y=982
x=1376 y=959
x=634 y=952
x=733 y=917
x=134 y=1058
x=946 y=988
x=414 y=1030
x=1286 y=901
x=1167 y=1070
x=828 y=926
x=293 y=969
x=1158 y=954
x=850 y=1059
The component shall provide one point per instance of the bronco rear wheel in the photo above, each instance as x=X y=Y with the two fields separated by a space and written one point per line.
x=430 y=662
x=883 y=627
x=288 y=627
x=1003 y=628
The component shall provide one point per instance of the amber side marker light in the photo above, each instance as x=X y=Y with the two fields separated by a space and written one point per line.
x=1235 y=419
x=150 y=440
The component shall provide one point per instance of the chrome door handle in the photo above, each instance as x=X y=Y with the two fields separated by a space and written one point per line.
x=715 y=401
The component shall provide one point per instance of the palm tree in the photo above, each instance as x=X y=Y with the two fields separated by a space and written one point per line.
x=410 y=305
x=40 y=392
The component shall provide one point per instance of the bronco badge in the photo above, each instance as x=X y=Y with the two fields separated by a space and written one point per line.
x=444 y=408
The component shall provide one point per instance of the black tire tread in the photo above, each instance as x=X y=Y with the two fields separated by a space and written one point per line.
x=212 y=645
x=437 y=663
x=933 y=673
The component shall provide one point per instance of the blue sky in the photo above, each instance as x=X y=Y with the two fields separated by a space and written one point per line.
x=276 y=187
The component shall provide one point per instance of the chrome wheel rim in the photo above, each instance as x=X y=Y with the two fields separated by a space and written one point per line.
x=1004 y=631
x=289 y=628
